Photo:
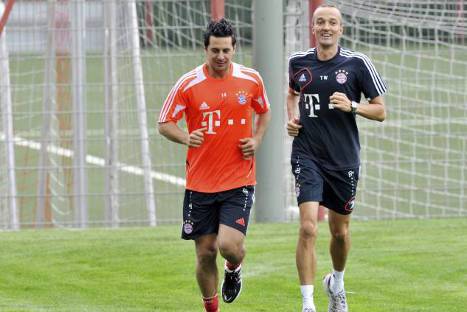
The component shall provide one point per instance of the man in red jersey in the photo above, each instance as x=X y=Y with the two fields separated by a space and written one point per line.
x=219 y=99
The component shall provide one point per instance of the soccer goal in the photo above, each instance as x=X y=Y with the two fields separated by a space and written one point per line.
x=413 y=164
x=79 y=114
x=82 y=83
x=8 y=191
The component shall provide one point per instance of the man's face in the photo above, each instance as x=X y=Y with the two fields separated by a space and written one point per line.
x=219 y=53
x=327 y=26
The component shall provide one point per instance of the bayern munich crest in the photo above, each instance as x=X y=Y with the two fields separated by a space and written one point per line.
x=341 y=76
x=188 y=227
x=241 y=97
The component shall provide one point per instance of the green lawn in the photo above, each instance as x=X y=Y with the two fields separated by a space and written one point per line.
x=405 y=265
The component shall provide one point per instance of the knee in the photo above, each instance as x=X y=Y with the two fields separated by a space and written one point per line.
x=232 y=250
x=206 y=255
x=308 y=230
x=340 y=235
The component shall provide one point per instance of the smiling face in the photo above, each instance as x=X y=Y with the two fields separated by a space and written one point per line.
x=219 y=54
x=327 y=26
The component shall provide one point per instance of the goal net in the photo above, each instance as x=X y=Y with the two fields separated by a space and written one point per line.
x=82 y=83
x=78 y=108
x=413 y=164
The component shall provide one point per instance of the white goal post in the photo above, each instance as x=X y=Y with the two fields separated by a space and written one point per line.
x=8 y=193
x=83 y=173
x=82 y=83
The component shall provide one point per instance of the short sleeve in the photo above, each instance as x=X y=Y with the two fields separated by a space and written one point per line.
x=260 y=102
x=174 y=105
x=292 y=83
x=371 y=82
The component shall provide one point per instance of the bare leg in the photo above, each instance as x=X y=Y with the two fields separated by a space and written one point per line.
x=231 y=244
x=339 y=226
x=206 y=267
x=339 y=249
x=231 y=247
x=305 y=254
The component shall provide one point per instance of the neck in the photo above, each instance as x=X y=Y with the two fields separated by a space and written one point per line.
x=326 y=53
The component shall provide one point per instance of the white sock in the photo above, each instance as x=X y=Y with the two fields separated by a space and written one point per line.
x=236 y=269
x=307 y=296
x=337 y=282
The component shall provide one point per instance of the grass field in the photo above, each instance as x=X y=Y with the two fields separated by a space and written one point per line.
x=405 y=265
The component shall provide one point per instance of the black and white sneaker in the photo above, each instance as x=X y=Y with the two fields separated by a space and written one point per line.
x=232 y=284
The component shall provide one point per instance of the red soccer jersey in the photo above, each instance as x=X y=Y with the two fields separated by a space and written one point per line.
x=225 y=108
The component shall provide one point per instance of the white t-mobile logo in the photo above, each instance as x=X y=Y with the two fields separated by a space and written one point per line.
x=213 y=120
x=312 y=103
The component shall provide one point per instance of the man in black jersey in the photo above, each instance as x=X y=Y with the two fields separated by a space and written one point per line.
x=327 y=83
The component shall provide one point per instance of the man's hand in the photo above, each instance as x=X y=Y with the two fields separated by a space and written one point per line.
x=341 y=102
x=248 y=147
x=196 y=137
x=293 y=127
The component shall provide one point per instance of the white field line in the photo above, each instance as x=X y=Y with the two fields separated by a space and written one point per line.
x=403 y=123
x=97 y=161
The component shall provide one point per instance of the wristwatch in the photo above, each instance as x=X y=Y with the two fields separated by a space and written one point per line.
x=353 y=107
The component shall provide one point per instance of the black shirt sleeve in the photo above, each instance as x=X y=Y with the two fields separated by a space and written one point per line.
x=370 y=81
x=292 y=83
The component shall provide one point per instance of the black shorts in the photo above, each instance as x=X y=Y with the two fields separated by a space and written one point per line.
x=334 y=189
x=203 y=212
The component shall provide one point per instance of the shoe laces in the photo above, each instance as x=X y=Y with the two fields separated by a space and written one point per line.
x=338 y=301
x=233 y=277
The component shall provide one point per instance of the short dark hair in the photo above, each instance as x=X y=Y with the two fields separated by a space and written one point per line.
x=325 y=5
x=220 y=28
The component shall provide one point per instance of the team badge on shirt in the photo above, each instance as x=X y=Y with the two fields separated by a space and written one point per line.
x=341 y=76
x=241 y=97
